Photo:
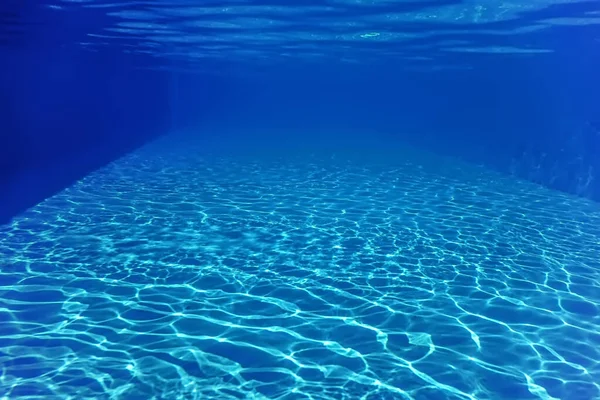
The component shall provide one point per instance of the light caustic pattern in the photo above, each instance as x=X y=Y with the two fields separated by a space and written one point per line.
x=171 y=275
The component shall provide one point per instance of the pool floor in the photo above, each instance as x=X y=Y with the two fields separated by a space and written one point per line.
x=178 y=274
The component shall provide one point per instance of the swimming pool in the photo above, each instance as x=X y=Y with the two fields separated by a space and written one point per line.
x=173 y=273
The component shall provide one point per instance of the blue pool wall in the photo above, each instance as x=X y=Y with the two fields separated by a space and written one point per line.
x=535 y=117
x=65 y=113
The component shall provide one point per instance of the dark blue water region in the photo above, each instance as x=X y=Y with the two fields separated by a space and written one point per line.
x=178 y=273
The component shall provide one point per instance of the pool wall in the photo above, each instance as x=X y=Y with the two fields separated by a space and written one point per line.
x=537 y=124
x=66 y=113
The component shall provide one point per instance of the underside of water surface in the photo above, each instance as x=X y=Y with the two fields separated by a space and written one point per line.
x=173 y=273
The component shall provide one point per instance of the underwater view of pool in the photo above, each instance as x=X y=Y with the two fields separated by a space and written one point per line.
x=175 y=273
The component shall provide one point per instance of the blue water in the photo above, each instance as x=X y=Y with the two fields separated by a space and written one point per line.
x=181 y=273
x=310 y=199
